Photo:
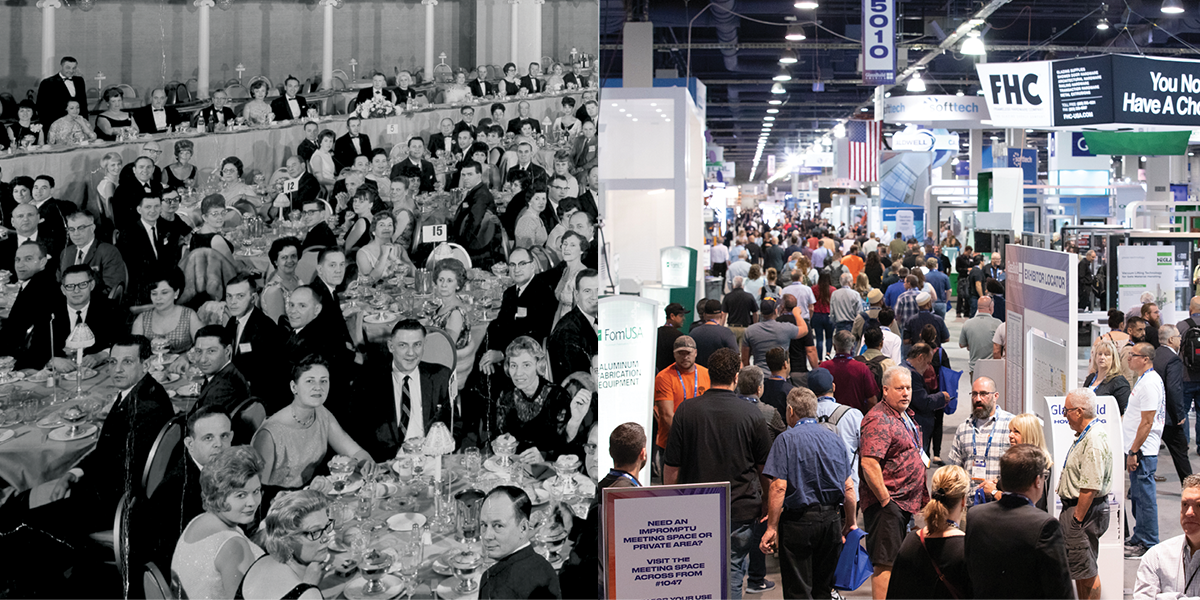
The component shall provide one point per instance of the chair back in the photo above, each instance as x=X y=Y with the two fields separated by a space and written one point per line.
x=182 y=93
x=117 y=293
x=127 y=91
x=449 y=250
x=155 y=585
x=337 y=83
x=162 y=455
x=237 y=90
x=193 y=85
x=171 y=90
x=260 y=78
x=443 y=74
x=439 y=348
x=247 y=417
x=306 y=267
x=121 y=539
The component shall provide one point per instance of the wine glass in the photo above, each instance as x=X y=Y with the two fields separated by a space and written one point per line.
x=410 y=552
x=551 y=534
x=471 y=463
x=404 y=472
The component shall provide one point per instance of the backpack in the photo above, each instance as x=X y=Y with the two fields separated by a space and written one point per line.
x=830 y=421
x=875 y=365
x=1189 y=349
x=769 y=291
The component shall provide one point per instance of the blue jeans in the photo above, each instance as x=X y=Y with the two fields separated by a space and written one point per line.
x=741 y=538
x=939 y=308
x=756 y=574
x=1142 y=492
x=1191 y=397
x=822 y=329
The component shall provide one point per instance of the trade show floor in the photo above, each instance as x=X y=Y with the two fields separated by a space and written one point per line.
x=1168 y=491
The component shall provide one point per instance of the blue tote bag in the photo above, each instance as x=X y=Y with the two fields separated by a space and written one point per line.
x=854 y=566
x=948 y=382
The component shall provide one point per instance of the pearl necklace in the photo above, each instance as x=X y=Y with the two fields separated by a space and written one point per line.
x=302 y=423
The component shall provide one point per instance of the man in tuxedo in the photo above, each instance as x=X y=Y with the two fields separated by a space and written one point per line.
x=351 y=146
x=307 y=186
x=289 y=106
x=378 y=90
x=476 y=226
x=415 y=165
x=520 y=314
x=309 y=336
x=327 y=285
x=77 y=303
x=442 y=140
x=53 y=213
x=480 y=87
x=150 y=149
x=156 y=117
x=573 y=343
x=590 y=111
x=587 y=199
x=531 y=82
x=523 y=117
x=85 y=249
x=146 y=248
x=525 y=163
x=178 y=500
x=400 y=400
x=56 y=90
x=505 y=529
x=319 y=234
x=256 y=339
x=38 y=291
x=584 y=154
x=224 y=385
x=404 y=90
x=1015 y=550
x=129 y=193
x=309 y=144
x=219 y=115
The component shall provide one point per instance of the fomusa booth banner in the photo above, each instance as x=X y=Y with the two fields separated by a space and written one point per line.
x=625 y=374
x=1096 y=90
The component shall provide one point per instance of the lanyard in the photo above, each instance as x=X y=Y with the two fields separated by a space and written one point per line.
x=974 y=442
x=912 y=429
x=695 y=382
x=1076 y=442
x=626 y=476
x=709 y=323
x=805 y=420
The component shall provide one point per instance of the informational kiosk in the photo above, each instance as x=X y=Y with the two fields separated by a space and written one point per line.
x=1059 y=438
x=625 y=371
x=668 y=542
x=1041 y=290
x=679 y=278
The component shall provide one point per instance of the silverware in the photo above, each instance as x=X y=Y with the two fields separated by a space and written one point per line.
x=16 y=436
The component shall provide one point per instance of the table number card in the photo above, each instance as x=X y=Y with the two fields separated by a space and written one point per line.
x=433 y=233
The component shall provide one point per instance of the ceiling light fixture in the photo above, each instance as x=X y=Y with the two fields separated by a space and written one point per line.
x=806 y=4
x=1103 y=24
x=959 y=92
x=774 y=102
x=768 y=118
x=783 y=75
x=973 y=45
x=1172 y=7
x=788 y=58
x=777 y=88
x=771 y=111
x=916 y=84
x=795 y=33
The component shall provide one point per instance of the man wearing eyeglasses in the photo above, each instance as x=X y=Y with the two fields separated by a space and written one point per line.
x=981 y=440
x=79 y=303
x=1083 y=487
x=85 y=249
x=1142 y=425
x=519 y=314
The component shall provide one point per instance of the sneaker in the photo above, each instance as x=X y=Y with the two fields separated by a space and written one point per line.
x=765 y=586
x=1135 y=551
x=1160 y=478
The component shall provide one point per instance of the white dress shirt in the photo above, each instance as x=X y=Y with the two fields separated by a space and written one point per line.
x=294 y=106
x=160 y=118
x=151 y=233
x=416 y=417
x=70 y=83
x=74 y=320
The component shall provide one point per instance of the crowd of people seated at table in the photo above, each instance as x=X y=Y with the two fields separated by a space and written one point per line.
x=137 y=264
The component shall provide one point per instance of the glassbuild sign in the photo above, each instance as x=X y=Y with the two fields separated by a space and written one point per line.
x=1097 y=90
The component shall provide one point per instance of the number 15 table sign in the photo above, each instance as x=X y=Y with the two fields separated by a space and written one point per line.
x=879 y=42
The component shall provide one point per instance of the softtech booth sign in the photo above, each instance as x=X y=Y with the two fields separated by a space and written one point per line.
x=1093 y=91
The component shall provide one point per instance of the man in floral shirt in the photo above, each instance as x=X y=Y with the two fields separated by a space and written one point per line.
x=893 y=468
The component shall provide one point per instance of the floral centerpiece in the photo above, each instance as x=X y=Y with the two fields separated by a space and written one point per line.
x=376 y=107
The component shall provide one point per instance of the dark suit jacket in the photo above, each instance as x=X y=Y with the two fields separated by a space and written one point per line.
x=308 y=189
x=367 y=93
x=331 y=312
x=522 y=574
x=210 y=116
x=305 y=150
x=137 y=418
x=437 y=143
x=103 y=318
x=535 y=171
x=175 y=503
x=52 y=98
x=53 y=228
x=587 y=202
x=139 y=252
x=105 y=261
x=344 y=153
x=256 y=355
x=318 y=338
x=283 y=112
x=320 y=235
x=226 y=388
x=519 y=315
x=514 y=125
x=406 y=168
x=125 y=200
x=373 y=405
x=533 y=84
x=480 y=88
x=467 y=228
x=1014 y=550
x=30 y=308
x=144 y=117
x=572 y=345
x=402 y=96
x=8 y=256
x=1169 y=366
x=584 y=154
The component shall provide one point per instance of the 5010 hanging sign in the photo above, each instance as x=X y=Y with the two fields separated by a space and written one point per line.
x=879 y=42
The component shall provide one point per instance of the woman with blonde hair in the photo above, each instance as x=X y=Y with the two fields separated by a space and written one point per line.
x=931 y=562
x=1026 y=428
x=1105 y=375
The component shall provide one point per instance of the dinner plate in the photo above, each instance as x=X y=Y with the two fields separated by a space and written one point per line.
x=63 y=434
x=191 y=390
x=10 y=418
x=13 y=377
x=381 y=317
x=394 y=586
x=446 y=591
x=440 y=567
x=405 y=521
x=537 y=495
x=6 y=434
x=351 y=487
x=168 y=377
x=493 y=464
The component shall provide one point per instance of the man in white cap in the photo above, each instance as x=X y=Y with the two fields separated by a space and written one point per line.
x=925 y=316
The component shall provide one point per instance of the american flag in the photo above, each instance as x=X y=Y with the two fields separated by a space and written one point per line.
x=864 y=140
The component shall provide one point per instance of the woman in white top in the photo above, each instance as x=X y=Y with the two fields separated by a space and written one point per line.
x=530 y=230
x=321 y=163
x=458 y=91
x=102 y=205
x=213 y=553
x=379 y=258
x=566 y=125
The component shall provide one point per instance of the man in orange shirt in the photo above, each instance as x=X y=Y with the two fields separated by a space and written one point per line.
x=853 y=262
x=682 y=380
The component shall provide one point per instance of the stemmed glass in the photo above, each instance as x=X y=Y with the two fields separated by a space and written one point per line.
x=471 y=463
x=404 y=472
x=550 y=534
x=465 y=564
x=374 y=565
x=414 y=449
x=410 y=552
x=504 y=449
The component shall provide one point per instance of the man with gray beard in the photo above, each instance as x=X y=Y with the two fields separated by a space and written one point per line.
x=981 y=440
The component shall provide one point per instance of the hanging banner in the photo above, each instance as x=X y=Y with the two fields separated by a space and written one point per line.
x=879 y=42
x=1147 y=269
x=667 y=542
x=1027 y=160
x=935 y=109
x=1017 y=94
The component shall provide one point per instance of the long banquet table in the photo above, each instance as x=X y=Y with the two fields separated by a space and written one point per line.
x=77 y=170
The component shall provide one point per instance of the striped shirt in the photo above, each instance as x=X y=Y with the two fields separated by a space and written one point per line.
x=906 y=307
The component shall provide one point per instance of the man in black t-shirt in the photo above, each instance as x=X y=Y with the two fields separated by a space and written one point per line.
x=962 y=264
x=667 y=335
x=802 y=350
x=777 y=386
x=711 y=334
x=975 y=282
x=740 y=307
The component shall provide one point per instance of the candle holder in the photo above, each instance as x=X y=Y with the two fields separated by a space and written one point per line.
x=240 y=69
x=353 y=70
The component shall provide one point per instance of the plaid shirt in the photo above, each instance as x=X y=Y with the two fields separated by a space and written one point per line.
x=906 y=307
x=971 y=442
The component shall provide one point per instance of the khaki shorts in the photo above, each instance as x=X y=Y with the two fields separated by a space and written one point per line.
x=1083 y=539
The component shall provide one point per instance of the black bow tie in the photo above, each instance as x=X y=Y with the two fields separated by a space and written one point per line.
x=160 y=110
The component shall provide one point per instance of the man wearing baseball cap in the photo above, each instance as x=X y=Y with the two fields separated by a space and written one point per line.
x=846 y=419
x=682 y=380
x=712 y=332
x=875 y=298
x=769 y=333
x=668 y=333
